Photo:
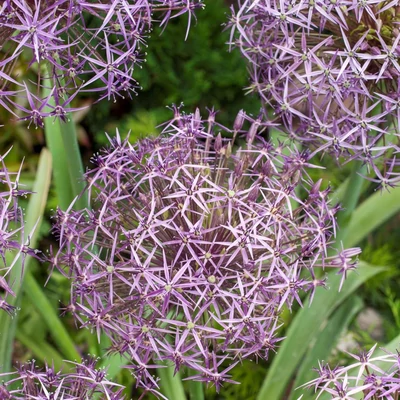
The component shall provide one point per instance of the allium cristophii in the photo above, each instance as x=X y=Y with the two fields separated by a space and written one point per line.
x=75 y=46
x=192 y=247
x=85 y=381
x=368 y=378
x=12 y=241
x=331 y=72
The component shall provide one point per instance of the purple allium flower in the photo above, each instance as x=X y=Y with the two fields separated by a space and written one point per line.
x=193 y=247
x=330 y=70
x=76 y=46
x=83 y=382
x=12 y=245
x=371 y=377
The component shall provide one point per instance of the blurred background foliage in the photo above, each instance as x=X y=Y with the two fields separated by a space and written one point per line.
x=200 y=72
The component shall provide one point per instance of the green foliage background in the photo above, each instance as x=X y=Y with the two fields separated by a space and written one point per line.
x=199 y=72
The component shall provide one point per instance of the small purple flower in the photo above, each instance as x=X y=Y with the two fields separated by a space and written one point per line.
x=12 y=242
x=364 y=377
x=83 y=382
x=193 y=245
x=330 y=70
x=76 y=46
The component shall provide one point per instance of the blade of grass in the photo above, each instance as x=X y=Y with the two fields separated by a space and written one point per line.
x=304 y=329
x=34 y=215
x=324 y=343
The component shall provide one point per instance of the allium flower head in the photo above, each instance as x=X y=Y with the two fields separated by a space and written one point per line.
x=83 y=382
x=76 y=46
x=330 y=70
x=367 y=378
x=193 y=247
x=12 y=245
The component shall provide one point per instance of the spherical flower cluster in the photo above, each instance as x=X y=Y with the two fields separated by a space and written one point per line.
x=368 y=378
x=331 y=72
x=84 y=382
x=194 y=245
x=12 y=243
x=75 y=46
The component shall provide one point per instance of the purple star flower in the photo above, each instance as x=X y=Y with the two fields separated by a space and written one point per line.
x=192 y=247
x=362 y=378
x=76 y=47
x=83 y=382
x=330 y=70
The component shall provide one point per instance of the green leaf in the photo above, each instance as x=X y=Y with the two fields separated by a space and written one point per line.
x=324 y=343
x=34 y=215
x=305 y=327
x=370 y=214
